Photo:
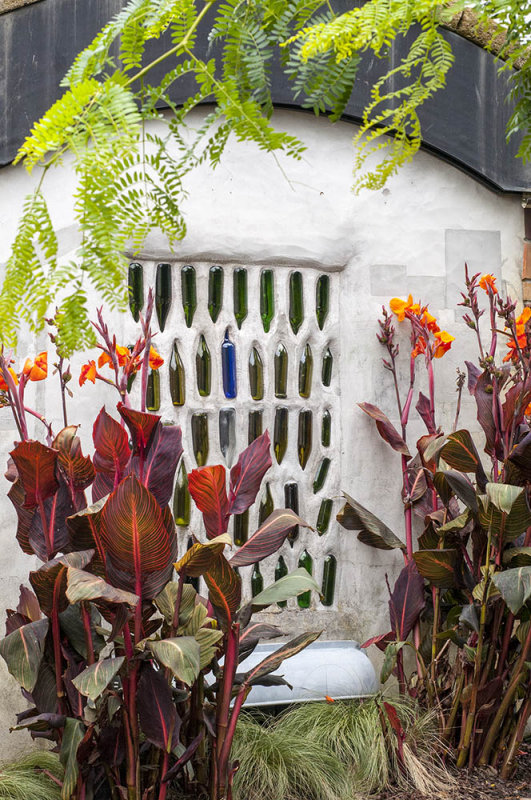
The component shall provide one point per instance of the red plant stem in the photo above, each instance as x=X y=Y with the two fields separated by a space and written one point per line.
x=47 y=425
x=237 y=707
x=20 y=406
x=164 y=784
x=88 y=632
x=229 y=670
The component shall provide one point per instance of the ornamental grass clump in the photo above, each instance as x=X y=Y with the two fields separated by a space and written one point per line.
x=462 y=601
x=379 y=743
x=283 y=764
x=128 y=672
x=35 y=776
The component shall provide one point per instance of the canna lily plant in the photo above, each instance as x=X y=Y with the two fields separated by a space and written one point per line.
x=462 y=601
x=128 y=669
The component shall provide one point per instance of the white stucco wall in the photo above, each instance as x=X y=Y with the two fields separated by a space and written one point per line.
x=413 y=236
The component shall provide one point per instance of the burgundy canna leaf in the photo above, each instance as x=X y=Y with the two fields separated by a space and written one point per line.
x=246 y=475
x=224 y=589
x=158 y=716
x=138 y=536
x=424 y=411
x=381 y=641
x=268 y=538
x=77 y=469
x=142 y=427
x=24 y=516
x=110 y=442
x=28 y=604
x=164 y=454
x=406 y=601
x=386 y=429
x=36 y=468
x=208 y=489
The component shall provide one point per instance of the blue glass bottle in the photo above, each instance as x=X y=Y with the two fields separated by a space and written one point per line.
x=228 y=367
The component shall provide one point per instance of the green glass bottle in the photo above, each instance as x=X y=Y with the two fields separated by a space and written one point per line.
x=255 y=425
x=256 y=375
x=227 y=434
x=241 y=528
x=266 y=505
x=136 y=289
x=239 y=293
x=304 y=438
x=203 y=366
x=281 y=371
x=280 y=433
x=153 y=390
x=257 y=581
x=323 y=518
x=215 y=292
x=181 y=497
x=321 y=475
x=329 y=581
x=200 y=437
x=291 y=500
x=322 y=299
x=281 y=569
x=296 y=302
x=306 y=372
x=189 y=294
x=326 y=428
x=305 y=561
x=267 y=298
x=177 y=377
x=163 y=293
x=328 y=362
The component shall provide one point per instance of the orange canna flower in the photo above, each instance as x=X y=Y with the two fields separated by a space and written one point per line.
x=124 y=355
x=399 y=307
x=443 y=342
x=521 y=336
x=420 y=347
x=104 y=359
x=88 y=373
x=487 y=281
x=429 y=321
x=329 y=699
x=3 y=384
x=36 y=370
x=155 y=360
x=527 y=412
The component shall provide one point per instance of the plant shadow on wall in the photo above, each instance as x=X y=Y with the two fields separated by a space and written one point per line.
x=133 y=675
x=461 y=601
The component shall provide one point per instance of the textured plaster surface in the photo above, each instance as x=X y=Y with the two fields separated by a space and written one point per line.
x=413 y=236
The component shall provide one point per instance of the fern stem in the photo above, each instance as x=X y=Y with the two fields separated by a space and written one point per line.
x=174 y=50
